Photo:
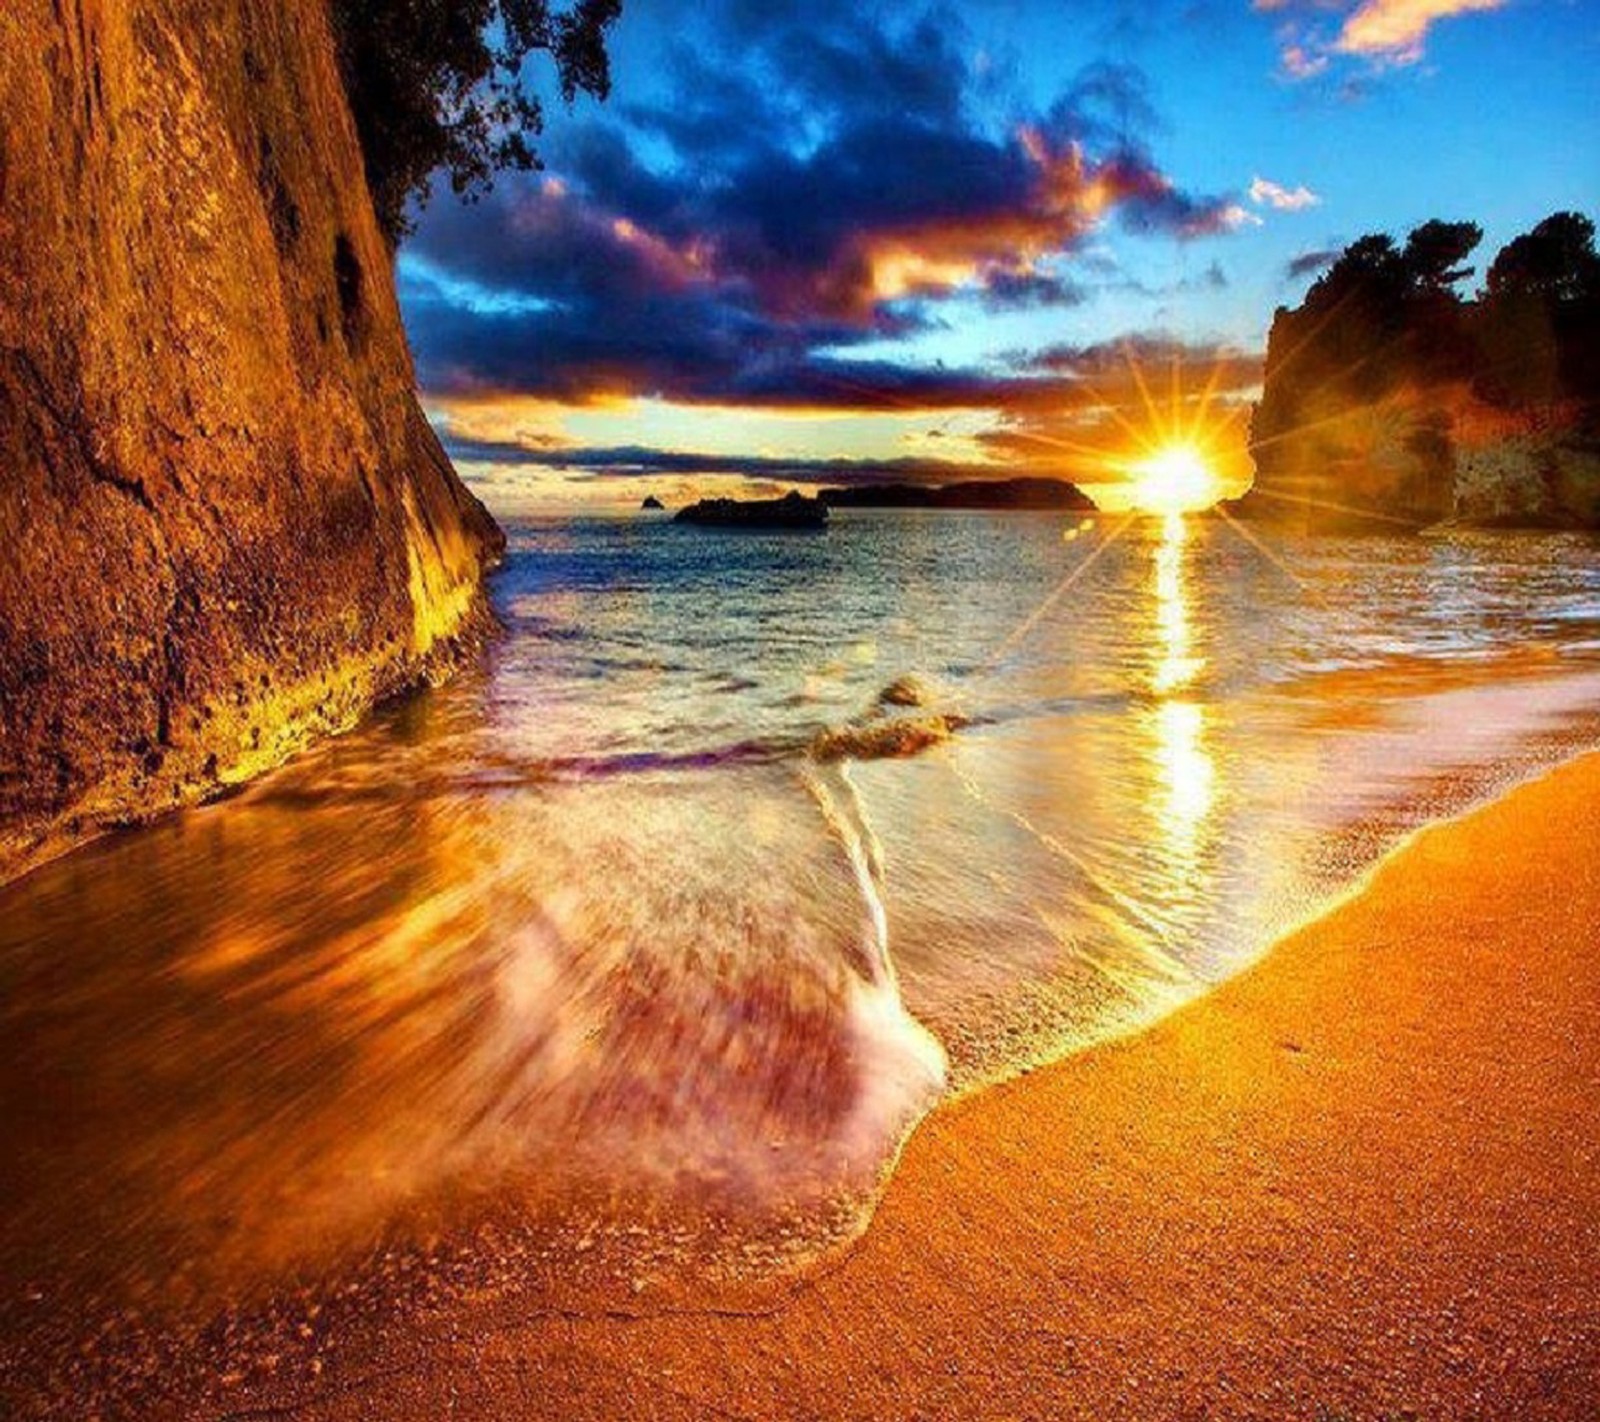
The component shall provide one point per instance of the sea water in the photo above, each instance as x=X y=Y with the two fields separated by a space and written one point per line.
x=649 y=938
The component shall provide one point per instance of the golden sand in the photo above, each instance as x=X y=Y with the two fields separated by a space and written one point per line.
x=1362 y=1180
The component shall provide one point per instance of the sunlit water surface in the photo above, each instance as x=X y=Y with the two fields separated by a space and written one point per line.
x=591 y=952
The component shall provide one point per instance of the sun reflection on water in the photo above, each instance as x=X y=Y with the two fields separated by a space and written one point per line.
x=1176 y=667
x=1185 y=773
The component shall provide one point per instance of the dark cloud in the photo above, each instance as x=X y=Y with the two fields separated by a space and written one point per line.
x=1061 y=409
x=639 y=461
x=812 y=182
x=1310 y=263
x=1018 y=290
x=1152 y=357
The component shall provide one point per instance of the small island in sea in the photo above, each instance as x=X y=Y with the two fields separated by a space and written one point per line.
x=794 y=512
x=1036 y=493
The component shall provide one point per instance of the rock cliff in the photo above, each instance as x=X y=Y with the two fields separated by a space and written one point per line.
x=1389 y=401
x=1416 y=454
x=226 y=526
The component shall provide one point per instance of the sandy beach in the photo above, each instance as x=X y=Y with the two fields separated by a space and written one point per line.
x=1361 y=1180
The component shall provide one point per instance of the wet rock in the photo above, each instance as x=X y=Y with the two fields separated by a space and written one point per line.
x=908 y=690
x=227 y=526
x=886 y=736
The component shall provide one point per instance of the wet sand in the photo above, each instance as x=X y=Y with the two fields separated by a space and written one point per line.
x=1361 y=1180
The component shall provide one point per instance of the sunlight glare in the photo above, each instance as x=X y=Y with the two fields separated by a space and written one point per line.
x=1174 y=480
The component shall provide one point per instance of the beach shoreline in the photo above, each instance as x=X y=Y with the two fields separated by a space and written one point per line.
x=1357 y=1180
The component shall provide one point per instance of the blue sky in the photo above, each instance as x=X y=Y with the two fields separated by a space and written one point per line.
x=862 y=241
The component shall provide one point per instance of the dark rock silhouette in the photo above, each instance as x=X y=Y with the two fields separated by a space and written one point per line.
x=1022 y=493
x=227 y=525
x=794 y=511
x=652 y=502
x=1389 y=402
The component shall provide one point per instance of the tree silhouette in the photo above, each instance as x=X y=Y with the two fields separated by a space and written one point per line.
x=1434 y=253
x=440 y=86
x=1555 y=261
x=1368 y=382
x=1539 y=329
x=1370 y=270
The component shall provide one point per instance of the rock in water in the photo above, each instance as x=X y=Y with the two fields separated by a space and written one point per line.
x=898 y=723
x=907 y=690
x=652 y=502
x=226 y=525
x=793 y=511
x=886 y=737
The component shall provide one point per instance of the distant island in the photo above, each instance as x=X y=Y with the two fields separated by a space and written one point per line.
x=1390 y=401
x=794 y=511
x=1024 y=493
x=651 y=502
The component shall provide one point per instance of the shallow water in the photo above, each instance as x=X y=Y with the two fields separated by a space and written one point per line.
x=593 y=939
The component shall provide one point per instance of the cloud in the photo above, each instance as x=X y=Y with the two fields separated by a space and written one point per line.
x=1115 y=371
x=1301 y=63
x=1143 y=386
x=1386 y=33
x=1060 y=412
x=802 y=184
x=1008 y=291
x=643 y=461
x=1393 y=31
x=1266 y=193
x=1309 y=263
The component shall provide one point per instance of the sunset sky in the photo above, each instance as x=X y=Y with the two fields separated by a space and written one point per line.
x=842 y=241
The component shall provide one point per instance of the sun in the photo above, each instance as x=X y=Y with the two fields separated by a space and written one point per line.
x=1175 y=479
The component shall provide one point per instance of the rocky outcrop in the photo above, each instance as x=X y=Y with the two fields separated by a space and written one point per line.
x=1388 y=407
x=1535 y=468
x=1031 y=494
x=1416 y=455
x=794 y=512
x=226 y=525
x=1333 y=460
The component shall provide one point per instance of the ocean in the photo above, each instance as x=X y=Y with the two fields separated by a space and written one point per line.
x=646 y=942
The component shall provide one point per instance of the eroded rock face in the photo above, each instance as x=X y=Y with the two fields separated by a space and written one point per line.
x=1325 y=460
x=225 y=526
x=1337 y=450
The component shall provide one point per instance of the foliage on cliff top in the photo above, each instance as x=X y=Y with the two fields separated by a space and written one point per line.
x=1384 y=314
x=1556 y=260
x=440 y=86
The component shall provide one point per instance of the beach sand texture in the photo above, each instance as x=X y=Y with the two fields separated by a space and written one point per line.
x=1361 y=1180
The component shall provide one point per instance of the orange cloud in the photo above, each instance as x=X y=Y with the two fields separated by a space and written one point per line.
x=1393 y=30
x=1385 y=32
x=993 y=245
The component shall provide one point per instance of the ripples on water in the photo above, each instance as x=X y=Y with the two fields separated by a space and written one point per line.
x=591 y=939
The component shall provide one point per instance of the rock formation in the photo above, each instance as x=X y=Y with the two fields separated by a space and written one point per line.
x=1028 y=493
x=226 y=525
x=1389 y=402
x=794 y=512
